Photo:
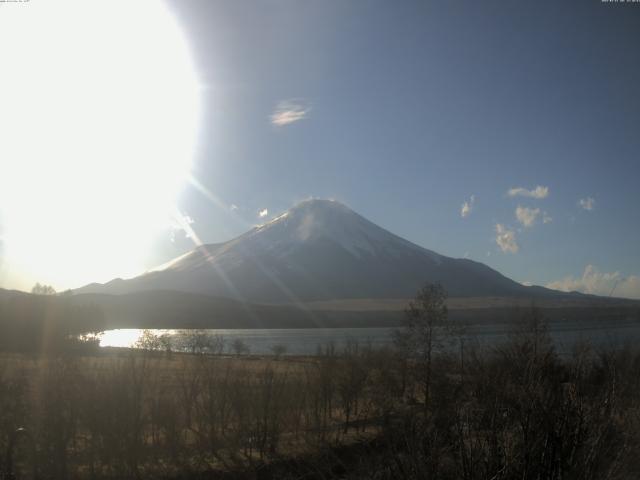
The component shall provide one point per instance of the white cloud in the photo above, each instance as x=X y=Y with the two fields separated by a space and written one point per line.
x=506 y=239
x=587 y=203
x=538 y=192
x=233 y=207
x=546 y=218
x=181 y=223
x=527 y=216
x=467 y=206
x=599 y=283
x=288 y=112
x=263 y=213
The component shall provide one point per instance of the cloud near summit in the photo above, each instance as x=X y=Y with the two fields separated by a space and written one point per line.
x=289 y=111
x=539 y=192
x=587 y=203
x=467 y=206
x=506 y=239
x=527 y=216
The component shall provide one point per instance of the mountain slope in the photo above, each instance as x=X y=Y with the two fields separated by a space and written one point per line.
x=318 y=250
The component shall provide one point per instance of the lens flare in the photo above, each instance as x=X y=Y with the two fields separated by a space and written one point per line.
x=98 y=118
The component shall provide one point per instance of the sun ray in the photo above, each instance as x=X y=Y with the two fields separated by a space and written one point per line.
x=201 y=248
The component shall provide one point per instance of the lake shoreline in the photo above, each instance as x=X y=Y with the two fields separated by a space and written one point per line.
x=307 y=341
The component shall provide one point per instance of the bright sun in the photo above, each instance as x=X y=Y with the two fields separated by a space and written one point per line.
x=98 y=117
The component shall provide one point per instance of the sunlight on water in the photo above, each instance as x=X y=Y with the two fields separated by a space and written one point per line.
x=261 y=341
x=124 y=337
x=306 y=341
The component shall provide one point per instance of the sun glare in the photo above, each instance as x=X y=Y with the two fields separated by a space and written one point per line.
x=98 y=117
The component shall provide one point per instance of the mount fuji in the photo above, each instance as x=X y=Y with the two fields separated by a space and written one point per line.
x=319 y=250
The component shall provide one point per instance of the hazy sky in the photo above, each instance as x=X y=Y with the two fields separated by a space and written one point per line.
x=436 y=120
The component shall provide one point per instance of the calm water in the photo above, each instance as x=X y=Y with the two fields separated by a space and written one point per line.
x=306 y=341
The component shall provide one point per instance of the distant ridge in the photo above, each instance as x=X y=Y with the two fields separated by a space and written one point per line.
x=173 y=309
x=319 y=250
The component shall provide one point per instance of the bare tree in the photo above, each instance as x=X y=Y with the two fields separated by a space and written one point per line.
x=278 y=350
x=422 y=331
x=166 y=343
x=240 y=347
x=43 y=289
x=201 y=341
x=148 y=341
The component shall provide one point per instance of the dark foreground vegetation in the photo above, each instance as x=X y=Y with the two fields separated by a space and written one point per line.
x=416 y=411
x=48 y=324
x=517 y=412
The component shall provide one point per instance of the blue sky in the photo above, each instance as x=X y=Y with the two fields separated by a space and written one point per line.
x=405 y=110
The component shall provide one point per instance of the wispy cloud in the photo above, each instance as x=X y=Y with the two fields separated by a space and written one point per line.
x=289 y=111
x=263 y=213
x=539 y=192
x=587 y=203
x=600 y=283
x=527 y=216
x=506 y=239
x=546 y=218
x=467 y=206
x=233 y=207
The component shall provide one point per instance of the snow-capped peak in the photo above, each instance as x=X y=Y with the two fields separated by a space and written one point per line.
x=315 y=220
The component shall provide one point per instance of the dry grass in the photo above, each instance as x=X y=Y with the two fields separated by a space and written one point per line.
x=517 y=412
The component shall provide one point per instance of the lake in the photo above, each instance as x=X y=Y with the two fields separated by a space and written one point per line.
x=305 y=341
